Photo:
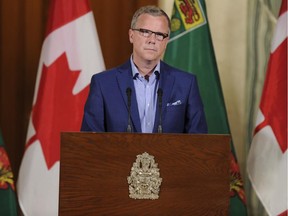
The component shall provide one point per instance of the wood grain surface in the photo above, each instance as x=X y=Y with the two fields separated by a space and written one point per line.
x=94 y=168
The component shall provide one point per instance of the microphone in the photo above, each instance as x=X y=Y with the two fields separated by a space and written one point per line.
x=129 y=92
x=159 y=94
x=157 y=75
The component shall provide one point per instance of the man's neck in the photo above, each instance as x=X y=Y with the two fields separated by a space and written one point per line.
x=145 y=68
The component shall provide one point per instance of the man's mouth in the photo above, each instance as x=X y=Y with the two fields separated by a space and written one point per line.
x=150 y=49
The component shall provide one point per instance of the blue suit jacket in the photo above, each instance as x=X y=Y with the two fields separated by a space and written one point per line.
x=106 y=108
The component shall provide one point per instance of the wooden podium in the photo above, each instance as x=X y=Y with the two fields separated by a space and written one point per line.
x=94 y=168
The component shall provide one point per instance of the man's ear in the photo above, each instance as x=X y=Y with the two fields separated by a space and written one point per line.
x=131 y=34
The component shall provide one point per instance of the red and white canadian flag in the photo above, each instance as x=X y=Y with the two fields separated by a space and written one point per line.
x=267 y=159
x=70 y=55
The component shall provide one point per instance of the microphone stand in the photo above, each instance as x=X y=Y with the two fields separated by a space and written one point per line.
x=128 y=92
x=160 y=93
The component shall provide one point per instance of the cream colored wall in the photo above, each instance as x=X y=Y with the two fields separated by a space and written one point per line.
x=228 y=25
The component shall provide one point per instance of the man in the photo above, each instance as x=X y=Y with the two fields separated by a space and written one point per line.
x=145 y=95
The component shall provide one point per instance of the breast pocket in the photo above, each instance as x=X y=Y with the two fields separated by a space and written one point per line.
x=174 y=119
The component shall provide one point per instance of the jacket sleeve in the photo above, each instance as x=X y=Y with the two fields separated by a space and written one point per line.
x=195 y=116
x=93 y=118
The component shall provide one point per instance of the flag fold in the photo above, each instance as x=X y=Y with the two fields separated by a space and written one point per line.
x=70 y=55
x=190 y=48
x=267 y=158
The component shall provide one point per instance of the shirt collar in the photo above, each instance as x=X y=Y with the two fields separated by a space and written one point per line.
x=135 y=71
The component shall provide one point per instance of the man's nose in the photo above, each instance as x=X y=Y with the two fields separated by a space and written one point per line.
x=152 y=37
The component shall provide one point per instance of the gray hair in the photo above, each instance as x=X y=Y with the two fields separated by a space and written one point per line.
x=151 y=10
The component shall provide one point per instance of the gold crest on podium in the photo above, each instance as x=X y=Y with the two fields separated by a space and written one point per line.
x=144 y=180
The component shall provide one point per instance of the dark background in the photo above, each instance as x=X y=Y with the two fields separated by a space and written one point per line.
x=23 y=26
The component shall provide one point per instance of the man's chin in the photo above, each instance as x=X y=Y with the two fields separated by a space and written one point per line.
x=150 y=57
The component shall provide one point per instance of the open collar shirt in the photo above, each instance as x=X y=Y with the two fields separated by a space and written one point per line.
x=146 y=96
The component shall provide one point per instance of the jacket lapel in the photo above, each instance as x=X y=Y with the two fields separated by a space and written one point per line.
x=166 y=83
x=125 y=80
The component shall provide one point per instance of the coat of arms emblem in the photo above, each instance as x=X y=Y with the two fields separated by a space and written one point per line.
x=144 y=180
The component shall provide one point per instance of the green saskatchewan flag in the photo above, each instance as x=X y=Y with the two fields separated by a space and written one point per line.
x=190 y=48
x=8 y=204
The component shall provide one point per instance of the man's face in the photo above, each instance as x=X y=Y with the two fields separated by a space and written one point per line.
x=149 y=48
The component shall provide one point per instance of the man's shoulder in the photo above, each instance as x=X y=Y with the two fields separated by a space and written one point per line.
x=105 y=73
x=111 y=72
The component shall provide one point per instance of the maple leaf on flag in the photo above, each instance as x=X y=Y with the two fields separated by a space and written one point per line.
x=55 y=106
x=70 y=55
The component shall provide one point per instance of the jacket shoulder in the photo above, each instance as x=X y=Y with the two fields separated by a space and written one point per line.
x=111 y=72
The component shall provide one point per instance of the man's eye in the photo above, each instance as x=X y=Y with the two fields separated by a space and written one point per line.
x=145 y=31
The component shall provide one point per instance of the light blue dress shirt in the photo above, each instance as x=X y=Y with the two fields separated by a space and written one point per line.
x=146 y=94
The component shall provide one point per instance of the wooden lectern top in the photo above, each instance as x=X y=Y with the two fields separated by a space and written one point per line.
x=94 y=168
